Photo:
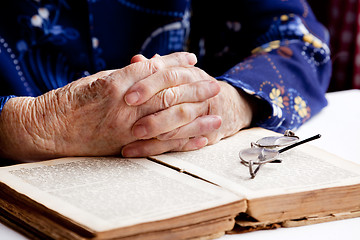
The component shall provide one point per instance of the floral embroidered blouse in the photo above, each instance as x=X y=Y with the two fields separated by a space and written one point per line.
x=273 y=49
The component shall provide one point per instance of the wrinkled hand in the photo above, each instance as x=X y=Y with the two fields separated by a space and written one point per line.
x=90 y=117
x=213 y=119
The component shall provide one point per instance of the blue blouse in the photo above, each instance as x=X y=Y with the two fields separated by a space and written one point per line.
x=273 y=49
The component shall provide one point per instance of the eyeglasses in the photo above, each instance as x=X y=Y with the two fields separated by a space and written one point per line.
x=266 y=150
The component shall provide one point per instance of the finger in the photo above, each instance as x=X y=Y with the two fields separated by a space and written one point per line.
x=144 y=148
x=156 y=55
x=143 y=90
x=138 y=58
x=169 y=119
x=186 y=93
x=140 y=70
x=199 y=127
x=160 y=122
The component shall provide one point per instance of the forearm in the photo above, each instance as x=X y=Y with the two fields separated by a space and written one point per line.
x=89 y=117
x=23 y=132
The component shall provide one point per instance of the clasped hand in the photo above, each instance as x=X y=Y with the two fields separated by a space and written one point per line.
x=191 y=125
x=149 y=107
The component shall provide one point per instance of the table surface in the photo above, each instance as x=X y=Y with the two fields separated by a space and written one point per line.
x=340 y=129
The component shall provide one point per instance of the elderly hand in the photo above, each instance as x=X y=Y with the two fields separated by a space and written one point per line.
x=90 y=117
x=232 y=109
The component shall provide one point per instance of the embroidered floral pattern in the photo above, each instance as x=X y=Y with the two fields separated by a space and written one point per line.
x=277 y=111
x=41 y=18
x=300 y=107
x=291 y=27
x=42 y=27
x=46 y=20
x=276 y=98
x=289 y=105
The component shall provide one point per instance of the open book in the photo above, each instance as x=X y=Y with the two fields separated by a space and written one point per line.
x=199 y=194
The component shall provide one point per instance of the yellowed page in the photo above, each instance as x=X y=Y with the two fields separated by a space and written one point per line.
x=106 y=193
x=303 y=168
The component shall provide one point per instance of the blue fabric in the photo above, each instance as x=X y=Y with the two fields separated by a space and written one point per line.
x=3 y=100
x=273 y=49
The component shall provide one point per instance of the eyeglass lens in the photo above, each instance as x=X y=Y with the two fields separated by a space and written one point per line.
x=263 y=154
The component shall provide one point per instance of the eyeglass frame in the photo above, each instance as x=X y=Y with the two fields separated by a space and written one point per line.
x=272 y=148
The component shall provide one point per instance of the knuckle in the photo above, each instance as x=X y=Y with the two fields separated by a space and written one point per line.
x=180 y=144
x=87 y=92
x=107 y=83
x=100 y=82
x=169 y=97
x=171 y=75
x=155 y=65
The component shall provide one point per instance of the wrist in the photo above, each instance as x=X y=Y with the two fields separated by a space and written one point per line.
x=24 y=135
x=237 y=108
x=259 y=108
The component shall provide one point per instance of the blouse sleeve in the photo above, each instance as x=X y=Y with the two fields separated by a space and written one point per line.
x=289 y=65
x=3 y=100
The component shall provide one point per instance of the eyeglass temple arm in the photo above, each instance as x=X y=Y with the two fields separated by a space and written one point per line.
x=299 y=143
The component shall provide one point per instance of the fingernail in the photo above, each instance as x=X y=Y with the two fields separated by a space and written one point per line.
x=139 y=131
x=215 y=121
x=191 y=58
x=129 y=152
x=132 y=98
x=203 y=141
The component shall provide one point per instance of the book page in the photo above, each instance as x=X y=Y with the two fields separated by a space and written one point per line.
x=107 y=193
x=303 y=168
